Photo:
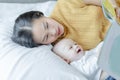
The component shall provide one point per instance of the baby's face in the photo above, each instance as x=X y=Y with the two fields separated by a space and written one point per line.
x=68 y=50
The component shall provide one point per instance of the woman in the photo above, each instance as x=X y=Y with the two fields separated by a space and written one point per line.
x=75 y=19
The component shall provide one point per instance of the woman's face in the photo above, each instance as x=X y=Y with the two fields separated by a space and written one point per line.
x=46 y=30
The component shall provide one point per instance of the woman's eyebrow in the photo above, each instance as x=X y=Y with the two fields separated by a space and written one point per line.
x=45 y=27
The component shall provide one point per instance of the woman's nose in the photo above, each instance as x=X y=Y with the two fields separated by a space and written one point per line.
x=52 y=32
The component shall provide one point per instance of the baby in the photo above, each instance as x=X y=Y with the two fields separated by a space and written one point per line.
x=68 y=50
x=84 y=61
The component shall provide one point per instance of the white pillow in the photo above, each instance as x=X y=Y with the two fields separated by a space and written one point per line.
x=21 y=63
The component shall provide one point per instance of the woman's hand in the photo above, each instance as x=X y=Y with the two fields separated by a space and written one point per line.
x=118 y=14
x=116 y=5
x=93 y=2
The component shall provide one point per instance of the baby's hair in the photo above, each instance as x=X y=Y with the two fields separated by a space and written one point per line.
x=22 y=32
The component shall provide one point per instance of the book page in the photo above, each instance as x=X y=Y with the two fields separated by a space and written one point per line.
x=109 y=59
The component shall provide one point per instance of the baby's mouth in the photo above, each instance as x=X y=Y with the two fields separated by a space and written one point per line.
x=79 y=50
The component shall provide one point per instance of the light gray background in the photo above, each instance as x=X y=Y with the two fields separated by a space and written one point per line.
x=23 y=1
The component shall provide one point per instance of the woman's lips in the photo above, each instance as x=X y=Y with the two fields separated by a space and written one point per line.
x=58 y=31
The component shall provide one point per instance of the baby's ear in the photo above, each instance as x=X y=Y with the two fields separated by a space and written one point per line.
x=68 y=61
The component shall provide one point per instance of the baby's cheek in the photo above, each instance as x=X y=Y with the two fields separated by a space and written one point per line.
x=74 y=57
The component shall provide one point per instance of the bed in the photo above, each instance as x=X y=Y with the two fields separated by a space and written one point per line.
x=21 y=63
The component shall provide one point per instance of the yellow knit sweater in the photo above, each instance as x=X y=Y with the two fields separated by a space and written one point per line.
x=83 y=23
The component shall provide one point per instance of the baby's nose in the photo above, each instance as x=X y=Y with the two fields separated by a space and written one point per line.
x=75 y=46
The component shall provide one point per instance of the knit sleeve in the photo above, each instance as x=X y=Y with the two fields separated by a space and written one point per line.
x=78 y=3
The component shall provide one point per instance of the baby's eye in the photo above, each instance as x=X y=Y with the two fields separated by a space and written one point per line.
x=75 y=44
x=70 y=47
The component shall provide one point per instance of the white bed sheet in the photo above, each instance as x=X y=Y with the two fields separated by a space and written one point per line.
x=87 y=65
x=20 y=63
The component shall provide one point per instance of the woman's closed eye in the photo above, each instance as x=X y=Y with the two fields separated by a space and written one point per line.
x=46 y=28
x=47 y=25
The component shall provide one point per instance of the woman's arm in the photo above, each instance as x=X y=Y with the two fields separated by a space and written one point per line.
x=94 y=2
x=115 y=3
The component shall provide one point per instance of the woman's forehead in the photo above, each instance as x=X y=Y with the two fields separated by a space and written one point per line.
x=38 y=31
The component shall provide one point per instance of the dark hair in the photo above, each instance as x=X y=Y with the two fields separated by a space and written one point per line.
x=22 y=32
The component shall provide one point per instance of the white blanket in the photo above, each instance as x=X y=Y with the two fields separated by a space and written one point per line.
x=88 y=63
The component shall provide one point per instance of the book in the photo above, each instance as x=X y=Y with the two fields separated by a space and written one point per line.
x=109 y=59
x=110 y=53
